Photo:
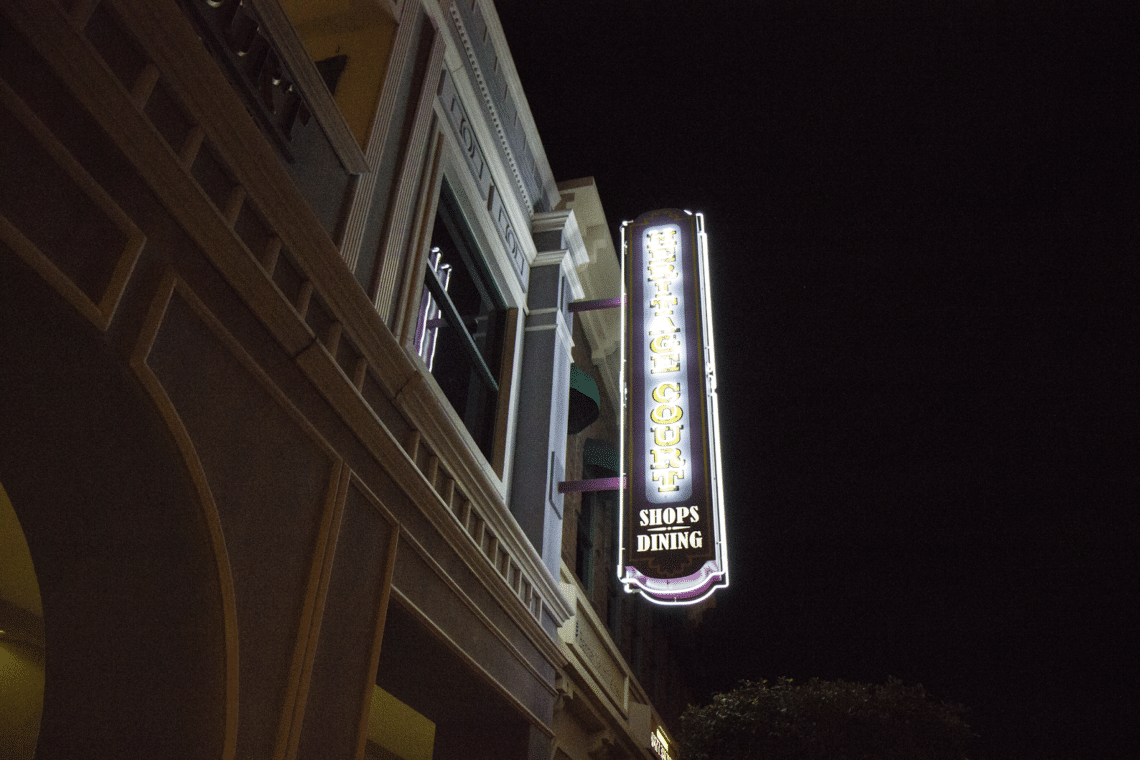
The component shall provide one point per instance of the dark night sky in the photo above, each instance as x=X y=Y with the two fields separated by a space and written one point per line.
x=924 y=239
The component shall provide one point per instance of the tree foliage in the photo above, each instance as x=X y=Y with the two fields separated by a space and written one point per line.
x=836 y=720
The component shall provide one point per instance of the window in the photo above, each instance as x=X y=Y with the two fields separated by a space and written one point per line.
x=461 y=324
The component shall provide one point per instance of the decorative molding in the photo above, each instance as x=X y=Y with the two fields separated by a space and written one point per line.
x=405 y=301
x=423 y=619
x=360 y=208
x=319 y=571
x=316 y=594
x=450 y=516
x=506 y=395
x=550 y=221
x=468 y=142
x=472 y=61
x=376 y=344
x=565 y=223
x=98 y=308
x=558 y=257
x=597 y=672
x=463 y=130
x=502 y=219
x=551 y=652
x=598 y=276
x=396 y=250
x=425 y=405
x=557 y=233
x=154 y=319
x=382 y=613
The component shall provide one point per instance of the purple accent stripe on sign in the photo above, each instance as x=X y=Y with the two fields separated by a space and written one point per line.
x=601 y=303
x=598 y=484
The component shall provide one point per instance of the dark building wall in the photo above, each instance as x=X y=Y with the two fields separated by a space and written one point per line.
x=223 y=461
x=246 y=497
x=133 y=607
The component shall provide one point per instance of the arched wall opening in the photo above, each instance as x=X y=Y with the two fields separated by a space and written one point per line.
x=471 y=719
x=128 y=579
x=21 y=640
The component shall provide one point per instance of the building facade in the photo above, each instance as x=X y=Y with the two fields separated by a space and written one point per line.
x=287 y=348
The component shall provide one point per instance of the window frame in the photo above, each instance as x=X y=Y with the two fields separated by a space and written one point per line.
x=446 y=166
x=473 y=320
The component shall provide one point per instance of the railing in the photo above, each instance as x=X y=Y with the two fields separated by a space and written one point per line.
x=272 y=70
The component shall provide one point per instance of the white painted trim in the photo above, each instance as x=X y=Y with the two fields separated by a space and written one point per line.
x=501 y=174
x=514 y=85
x=399 y=59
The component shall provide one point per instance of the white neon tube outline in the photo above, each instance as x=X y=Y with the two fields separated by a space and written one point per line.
x=713 y=408
x=621 y=420
x=713 y=400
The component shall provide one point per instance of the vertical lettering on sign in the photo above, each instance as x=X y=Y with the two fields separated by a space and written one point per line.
x=667 y=393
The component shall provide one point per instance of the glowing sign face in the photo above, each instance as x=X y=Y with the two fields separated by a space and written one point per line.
x=673 y=547
x=659 y=743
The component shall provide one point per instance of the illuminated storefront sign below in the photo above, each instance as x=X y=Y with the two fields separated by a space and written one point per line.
x=659 y=743
x=672 y=526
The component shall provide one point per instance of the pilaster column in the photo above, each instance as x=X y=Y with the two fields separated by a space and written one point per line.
x=544 y=392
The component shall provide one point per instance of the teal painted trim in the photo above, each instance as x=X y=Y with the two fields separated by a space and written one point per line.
x=600 y=454
x=585 y=385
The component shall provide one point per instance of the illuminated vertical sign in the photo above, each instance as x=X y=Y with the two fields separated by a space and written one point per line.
x=672 y=526
x=659 y=743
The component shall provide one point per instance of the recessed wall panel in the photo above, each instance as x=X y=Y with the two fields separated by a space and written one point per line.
x=270 y=479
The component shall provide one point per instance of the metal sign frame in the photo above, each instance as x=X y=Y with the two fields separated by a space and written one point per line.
x=671 y=524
